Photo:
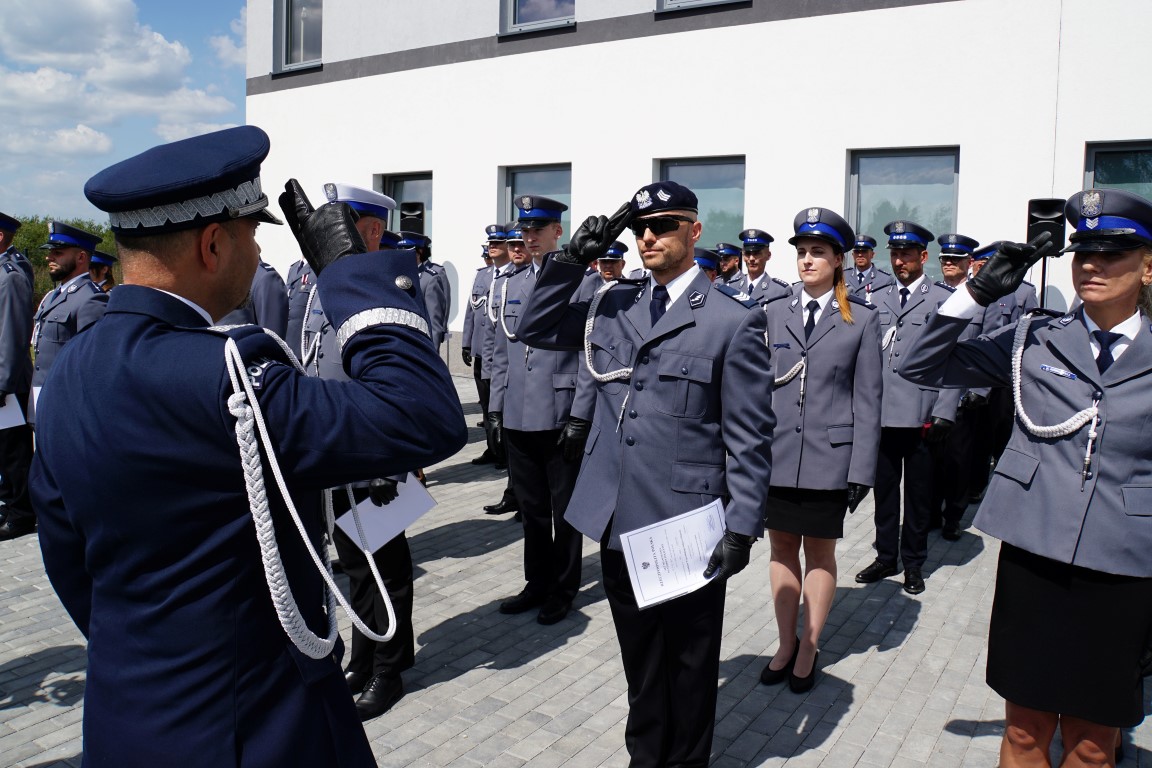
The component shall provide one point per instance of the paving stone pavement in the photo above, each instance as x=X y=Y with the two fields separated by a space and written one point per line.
x=902 y=679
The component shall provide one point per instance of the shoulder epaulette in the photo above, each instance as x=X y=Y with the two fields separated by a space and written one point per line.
x=519 y=269
x=944 y=285
x=1026 y=283
x=784 y=283
x=854 y=299
x=94 y=288
x=267 y=267
x=10 y=267
x=1041 y=312
x=735 y=293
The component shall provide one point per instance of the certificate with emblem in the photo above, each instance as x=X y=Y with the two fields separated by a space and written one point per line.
x=667 y=559
x=382 y=524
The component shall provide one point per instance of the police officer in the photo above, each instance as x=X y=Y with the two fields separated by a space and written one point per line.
x=708 y=261
x=190 y=651
x=15 y=381
x=100 y=270
x=762 y=287
x=730 y=263
x=532 y=392
x=476 y=325
x=911 y=416
x=826 y=365
x=265 y=305
x=298 y=286
x=611 y=264
x=373 y=671
x=866 y=279
x=433 y=284
x=672 y=432
x=74 y=304
x=8 y=227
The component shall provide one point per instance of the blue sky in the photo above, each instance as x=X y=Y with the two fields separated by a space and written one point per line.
x=85 y=83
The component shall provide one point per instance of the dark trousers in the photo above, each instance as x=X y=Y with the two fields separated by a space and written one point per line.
x=671 y=656
x=394 y=560
x=15 y=461
x=483 y=386
x=953 y=466
x=993 y=427
x=542 y=483
x=903 y=448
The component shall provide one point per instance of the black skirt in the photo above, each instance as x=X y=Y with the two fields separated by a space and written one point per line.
x=1068 y=639
x=807 y=512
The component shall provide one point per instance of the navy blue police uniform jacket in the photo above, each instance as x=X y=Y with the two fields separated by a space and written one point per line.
x=158 y=564
x=681 y=431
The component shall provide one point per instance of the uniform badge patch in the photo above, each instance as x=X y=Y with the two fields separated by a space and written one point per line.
x=525 y=202
x=1091 y=203
x=330 y=192
x=664 y=196
x=898 y=227
x=256 y=370
x=696 y=300
x=73 y=288
x=813 y=215
x=1066 y=319
x=924 y=288
x=643 y=199
x=795 y=301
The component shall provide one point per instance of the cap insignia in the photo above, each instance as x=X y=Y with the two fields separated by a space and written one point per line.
x=330 y=192
x=643 y=199
x=1091 y=203
x=813 y=215
x=898 y=227
x=525 y=202
x=664 y=196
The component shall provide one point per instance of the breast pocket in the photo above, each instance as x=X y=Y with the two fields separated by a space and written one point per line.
x=685 y=384
x=56 y=328
x=1017 y=465
x=885 y=318
x=610 y=353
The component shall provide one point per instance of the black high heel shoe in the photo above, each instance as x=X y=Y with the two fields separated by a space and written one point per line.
x=769 y=676
x=803 y=684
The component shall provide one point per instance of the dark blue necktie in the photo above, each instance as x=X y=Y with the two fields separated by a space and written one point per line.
x=658 y=305
x=813 y=307
x=1105 y=339
x=903 y=297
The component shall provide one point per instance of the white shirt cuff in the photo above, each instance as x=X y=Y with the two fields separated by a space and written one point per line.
x=961 y=304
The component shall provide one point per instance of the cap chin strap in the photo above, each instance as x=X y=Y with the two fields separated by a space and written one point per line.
x=1064 y=428
x=251 y=431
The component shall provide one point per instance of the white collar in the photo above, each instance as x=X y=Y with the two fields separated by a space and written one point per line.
x=678 y=285
x=822 y=300
x=199 y=310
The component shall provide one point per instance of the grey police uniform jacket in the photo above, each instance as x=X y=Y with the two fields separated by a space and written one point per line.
x=20 y=260
x=738 y=280
x=1026 y=299
x=829 y=435
x=1036 y=499
x=434 y=288
x=61 y=316
x=995 y=316
x=906 y=404
x=15 y=326
x=769 y=289
x=875 y=281
x=492 y=314
x=300 y=281
x=472 y=336
x=267 y=304
x=680 y=430
x=533 y=387
x=321 y=356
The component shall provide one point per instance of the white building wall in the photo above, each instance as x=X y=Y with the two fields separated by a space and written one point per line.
x=1019 y=87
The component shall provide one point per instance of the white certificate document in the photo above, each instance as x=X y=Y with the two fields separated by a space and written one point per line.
x=667 y=559
x=382 y=524
x=11 y=414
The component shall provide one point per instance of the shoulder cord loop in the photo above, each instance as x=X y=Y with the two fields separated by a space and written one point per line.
x=242 y=404
x=619 y=373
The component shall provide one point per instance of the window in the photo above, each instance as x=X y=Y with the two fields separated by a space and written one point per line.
x=917 y=185
x=409 y=188
x=302 y=24
x=1124 y=165
x=719 y=186
x=530 y=15
x=553 y=181
x=675 y=5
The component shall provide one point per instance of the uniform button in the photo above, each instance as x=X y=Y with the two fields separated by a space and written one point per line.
x=529 y=367
x=639 y=386
x=611 y=346
x=797 y=429
x=632 y=414
x=896 y=354
x=705 y=485
x=1097 y=395
x=684 y=370
x=899 y=323
x=629 y=440
x=404 y=283
x=644 y=360
x=803 y=354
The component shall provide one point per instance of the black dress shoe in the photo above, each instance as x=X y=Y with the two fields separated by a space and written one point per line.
x=769 y=676
x=381 y=694
x=951 y=531
x=356 y=681
x=875 y=572
x=913 y=581
x=525 y=601
x=554 y=610
x=504 y=507
x=500 y=465
x=518 y=517
x=484 y=458
x=14 y=529
x=799 y=684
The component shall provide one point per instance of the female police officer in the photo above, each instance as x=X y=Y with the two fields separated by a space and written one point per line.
x=1071 y=498
x=826 y=360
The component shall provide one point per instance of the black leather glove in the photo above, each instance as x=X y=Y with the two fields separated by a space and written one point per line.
x=1005 y=269
x=3 y=397
x=573 y=438
x=730 y=556
x=383 y=490
x=936 y=431
x=973 y=400
x=466 y=356
x=324 y=235
x=856 y=494
x=495 y=429
x=592 y=239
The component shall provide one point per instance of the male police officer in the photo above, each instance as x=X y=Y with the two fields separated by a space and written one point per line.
x=476 y=325
x=865 y=279
x=189 y=652
x=757 y=252
x=910 y=415
x=532 y=392
x=8 y=227
x=730 y=272
x=673 y=430
x=15 y=380
x=74 y=304
x=433 y=284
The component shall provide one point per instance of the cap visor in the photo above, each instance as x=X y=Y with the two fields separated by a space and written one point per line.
x=266 y=216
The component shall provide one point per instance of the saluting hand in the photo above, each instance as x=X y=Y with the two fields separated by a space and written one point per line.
x=324 y=235
x=1006 y=268
x=595 y=235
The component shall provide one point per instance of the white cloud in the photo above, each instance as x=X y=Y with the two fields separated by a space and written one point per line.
x=177 y=131
x=230 y=48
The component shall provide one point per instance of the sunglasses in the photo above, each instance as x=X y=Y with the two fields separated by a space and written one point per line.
x=657 y=225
